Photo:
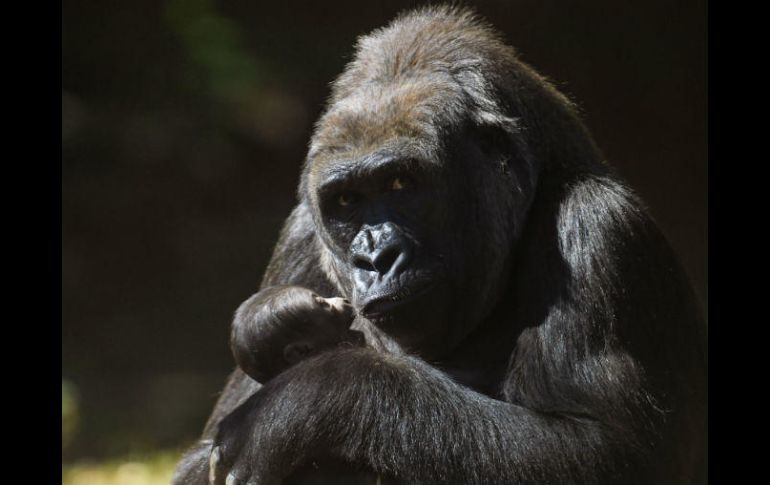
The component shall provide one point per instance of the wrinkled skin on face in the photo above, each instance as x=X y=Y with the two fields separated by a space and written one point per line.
x=400 y=215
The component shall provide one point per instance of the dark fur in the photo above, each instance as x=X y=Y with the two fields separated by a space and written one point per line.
x=280 y=325
x=572 y=350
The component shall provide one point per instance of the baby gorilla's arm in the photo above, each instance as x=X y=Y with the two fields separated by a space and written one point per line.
x=280 y=326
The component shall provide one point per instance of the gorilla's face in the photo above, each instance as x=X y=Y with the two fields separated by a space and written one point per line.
x=415 y=226
x=387 y=222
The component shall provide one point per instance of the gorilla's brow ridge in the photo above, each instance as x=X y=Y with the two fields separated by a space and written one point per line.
x=346 y=172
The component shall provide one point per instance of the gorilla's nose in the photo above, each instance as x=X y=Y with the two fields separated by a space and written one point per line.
x=382 y=249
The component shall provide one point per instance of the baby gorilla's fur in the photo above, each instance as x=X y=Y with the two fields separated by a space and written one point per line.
x=279 y=326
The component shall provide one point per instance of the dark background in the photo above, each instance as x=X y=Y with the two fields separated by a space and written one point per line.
x=184 y=124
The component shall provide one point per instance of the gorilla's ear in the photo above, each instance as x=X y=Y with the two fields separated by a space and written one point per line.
x=496 y=142
x=297 y=351
x=502 y=141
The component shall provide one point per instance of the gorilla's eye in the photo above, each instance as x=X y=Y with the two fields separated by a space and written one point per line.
x=345 y=199
x=399 y=183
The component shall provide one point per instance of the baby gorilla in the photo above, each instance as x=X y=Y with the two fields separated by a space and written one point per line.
x=282 y=325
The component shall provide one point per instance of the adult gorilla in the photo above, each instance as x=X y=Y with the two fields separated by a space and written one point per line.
x=526 y=322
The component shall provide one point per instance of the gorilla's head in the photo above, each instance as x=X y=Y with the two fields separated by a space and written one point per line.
x=421 y=172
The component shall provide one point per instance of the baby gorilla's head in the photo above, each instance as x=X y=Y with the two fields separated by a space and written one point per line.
x=283 y=325
x=324 y=325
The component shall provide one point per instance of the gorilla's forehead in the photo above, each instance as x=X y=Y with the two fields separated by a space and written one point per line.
x=408 y=86
x=403 y=116
x=379 y=112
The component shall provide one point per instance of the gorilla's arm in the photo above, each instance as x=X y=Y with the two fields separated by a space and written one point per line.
x=193 y=468
x=587 y=398
x=294 y=262
x=405 y=419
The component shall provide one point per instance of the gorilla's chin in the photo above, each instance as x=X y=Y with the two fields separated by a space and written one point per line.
x=417 y=320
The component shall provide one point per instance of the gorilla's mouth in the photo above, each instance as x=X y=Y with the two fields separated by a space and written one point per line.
x=381 y=305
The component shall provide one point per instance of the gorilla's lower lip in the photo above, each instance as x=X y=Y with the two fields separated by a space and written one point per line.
x=383 y=304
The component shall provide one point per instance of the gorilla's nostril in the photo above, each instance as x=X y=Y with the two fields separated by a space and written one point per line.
x=361 y=262
x=385 y=260
x=381 y=249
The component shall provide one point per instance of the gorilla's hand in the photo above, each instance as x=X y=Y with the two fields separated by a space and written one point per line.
x=314 y=412
x=275 y=431
x=242 y=450
x=282 y=325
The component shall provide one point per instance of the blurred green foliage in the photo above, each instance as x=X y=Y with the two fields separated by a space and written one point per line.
x=155 y=469
x=70 y=413
x=215 y=43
